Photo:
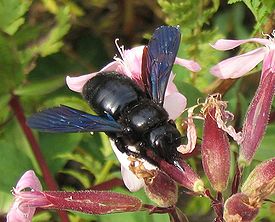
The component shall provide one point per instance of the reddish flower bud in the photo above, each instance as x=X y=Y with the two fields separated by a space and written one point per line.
x=260 y=182
x=182 y=174
x=92 y=202
x=162 y=189
x=215 y=145
x=238 y=209
x=186 y=177
x=257 y=117
x=29 y=195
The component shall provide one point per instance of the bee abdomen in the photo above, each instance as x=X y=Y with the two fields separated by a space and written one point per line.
x=111 y=92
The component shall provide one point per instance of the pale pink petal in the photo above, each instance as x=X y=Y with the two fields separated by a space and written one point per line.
x=191 y=134
x=174 y=104
x=133 y=60
x=130 y=180
x=227 y=44
x=189 y=64
x=171 y=87
x=28 y=180
x=76 y=83
x=269 y=62
x=19 y=213
x=239 y=65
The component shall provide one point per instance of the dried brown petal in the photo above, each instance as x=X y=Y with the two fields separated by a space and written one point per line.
x=162 y=189
x=238 y=209
x=261 y=182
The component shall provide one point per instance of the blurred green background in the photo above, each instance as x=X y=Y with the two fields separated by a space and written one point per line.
x=41 y=42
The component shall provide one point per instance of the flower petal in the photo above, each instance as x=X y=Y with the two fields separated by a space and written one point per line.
x=269 y=63
x=133 y=60
x=130 y=180
x=227 y=44
x=28 y=180
x=19 y=213
x=174 y=104
x=76 y=83
x=189 y=64
x=239 y=65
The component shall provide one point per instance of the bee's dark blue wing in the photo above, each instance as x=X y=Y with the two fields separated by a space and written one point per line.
x=69 y=120
x=158 y=59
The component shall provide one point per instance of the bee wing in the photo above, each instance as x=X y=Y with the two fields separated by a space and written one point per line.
x=158 y=59
x=67 y=119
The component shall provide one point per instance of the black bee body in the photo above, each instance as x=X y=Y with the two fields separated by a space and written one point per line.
x=145 y=123
x=129 y=114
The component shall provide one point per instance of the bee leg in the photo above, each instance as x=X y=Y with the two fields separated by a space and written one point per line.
x=122 y=147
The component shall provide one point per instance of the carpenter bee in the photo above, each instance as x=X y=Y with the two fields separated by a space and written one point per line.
x=128 y=114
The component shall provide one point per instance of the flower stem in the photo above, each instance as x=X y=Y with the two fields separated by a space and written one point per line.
x=237 y=179
x=174 y=213
x=49 y=180
x=217 y=205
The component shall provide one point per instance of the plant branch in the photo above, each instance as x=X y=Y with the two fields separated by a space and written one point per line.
x=49 y=180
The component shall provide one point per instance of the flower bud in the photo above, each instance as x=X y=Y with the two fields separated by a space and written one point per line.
x=162 y=189
x=92 y=201
x=260 y=182
x=256 y=119
x=184 y=175
x=238 y=209
x=215 y=146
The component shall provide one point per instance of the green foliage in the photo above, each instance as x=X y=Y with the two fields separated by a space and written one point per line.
x=260 y=9
x=11 y=14
x=16 y=155
x=52 y=42
x=11 y=72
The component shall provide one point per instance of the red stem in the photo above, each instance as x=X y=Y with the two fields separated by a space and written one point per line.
x=49 y=180
x=236 y=180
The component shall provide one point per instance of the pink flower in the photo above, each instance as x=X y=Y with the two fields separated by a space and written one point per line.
x=130 y=65
x=29 y=195
x=22 y=209
x=239 y=65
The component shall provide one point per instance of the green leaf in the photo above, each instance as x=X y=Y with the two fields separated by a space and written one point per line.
x=71 y=101
x=15 y=153
x=42 y=216
x=40 y=87
x=53 y=41
x=11 y=72
x=234 y=1
x=190 y=92
x=198 y=205
x=5 y=201
x=11 y=12
x=53 y=145
x=266 y=149
x=81 y=177
x=4 y=105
